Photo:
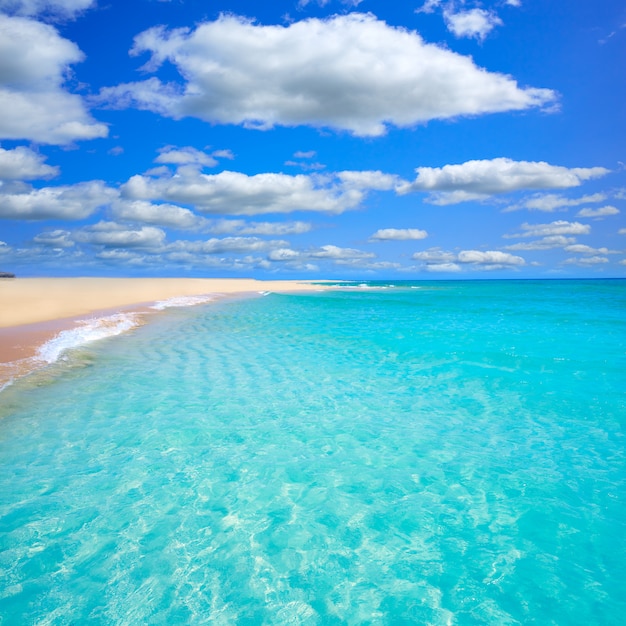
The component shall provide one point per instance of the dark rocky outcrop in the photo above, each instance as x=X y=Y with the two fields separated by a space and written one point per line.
x=6 y=275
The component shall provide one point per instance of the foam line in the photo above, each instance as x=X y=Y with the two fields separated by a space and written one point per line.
x=87 y=331
x=183 y=301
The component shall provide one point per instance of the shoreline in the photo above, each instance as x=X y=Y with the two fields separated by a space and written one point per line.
x=36 y=311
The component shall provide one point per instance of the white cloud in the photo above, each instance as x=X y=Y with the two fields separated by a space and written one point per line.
x=550 y=202
x=582 y=249
x=223 y=154
x=309 y=154
x=545 y=243
x=513 y=3
x=33 y=102
x=586 y=261
x=483 y=178
x=113 y=235
x=490 y=257
x=601 y=212
x=185 y=156
x=373 y=179
x=123 y=256
x=398 y=234
x=560 y=227
x=444 y=267
x=23 y=164
x=335 y=253
x=64 y=202
x=438 y=260
x=435 y=255
x=234 y=193
x=476 y=23
x=61 y=8
x=157 y=214
x=241 y=227
x=351 y=72
x=227 y=245
x=310 y=166
x=621 y=231
x=55 y=239
x=283 y=254
x=429 y=6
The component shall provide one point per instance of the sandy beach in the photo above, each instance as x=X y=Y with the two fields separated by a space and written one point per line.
x=34 y=310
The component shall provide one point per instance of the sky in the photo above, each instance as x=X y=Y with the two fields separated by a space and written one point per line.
x=341 y=139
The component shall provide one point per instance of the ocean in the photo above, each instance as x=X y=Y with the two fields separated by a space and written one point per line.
x=411 y=453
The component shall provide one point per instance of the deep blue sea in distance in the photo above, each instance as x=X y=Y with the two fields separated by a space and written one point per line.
x=438 y=453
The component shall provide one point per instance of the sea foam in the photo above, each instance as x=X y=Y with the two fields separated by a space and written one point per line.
x=182 y=301
x=86 y=332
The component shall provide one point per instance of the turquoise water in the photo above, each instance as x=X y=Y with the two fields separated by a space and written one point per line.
x=435 y=453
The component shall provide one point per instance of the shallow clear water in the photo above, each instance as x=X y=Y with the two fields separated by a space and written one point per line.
x=448 y=454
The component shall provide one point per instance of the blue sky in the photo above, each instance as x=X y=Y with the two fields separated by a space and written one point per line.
x=313 y=139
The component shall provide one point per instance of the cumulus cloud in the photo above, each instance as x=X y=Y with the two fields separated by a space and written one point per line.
x=604 y=211
x=158 y=214
x=560 y=227
x=234 y=193
x=351 y=72
x=373 y=179
x=444 y=267
x=398 y=234
x=241 y=227
x=227 y=245
x=223 y=154
x=435 y=255
x=545 y=243
x=23 y=164
x=122 y=256
x=429 y=6
x=34 y=105
x=582 y=249
x=474 y=23
x=438 y=260
x=185 y=156
x=113 y=235
x=550 y=202
x=283 y=254
x=483 y=178
x=335 y=254
x=490 y=257
x=60 y=8
x=55 y=239
x=586 y=261
x=72 y=202
x=621 y=231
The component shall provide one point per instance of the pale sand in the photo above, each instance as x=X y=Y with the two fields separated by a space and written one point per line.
x=31 y=300
x=34 y=310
